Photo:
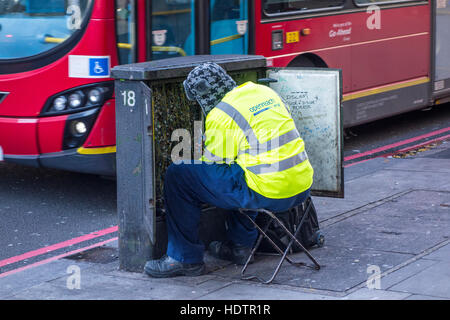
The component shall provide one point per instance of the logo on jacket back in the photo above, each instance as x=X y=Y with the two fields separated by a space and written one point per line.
x=263 y=106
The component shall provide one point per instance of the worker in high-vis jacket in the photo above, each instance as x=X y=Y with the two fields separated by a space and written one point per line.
x=253 y=158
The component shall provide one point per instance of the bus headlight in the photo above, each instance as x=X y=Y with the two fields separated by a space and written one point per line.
x=95 y=95
x=76 y=99
x=78 y=128
x=60 y=103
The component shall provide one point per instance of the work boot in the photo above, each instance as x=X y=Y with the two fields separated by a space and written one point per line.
x=167 y=267
x=228 y=251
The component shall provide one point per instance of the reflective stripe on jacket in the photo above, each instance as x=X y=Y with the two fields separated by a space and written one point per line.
x=252 y=127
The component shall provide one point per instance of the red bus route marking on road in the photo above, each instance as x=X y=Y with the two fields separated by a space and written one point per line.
x=402 y=150
x=416 y=146
x=396 y=144
x=57 y=246
x=45 y=261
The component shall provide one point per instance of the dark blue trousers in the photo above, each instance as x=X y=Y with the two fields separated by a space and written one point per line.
x=189 y=185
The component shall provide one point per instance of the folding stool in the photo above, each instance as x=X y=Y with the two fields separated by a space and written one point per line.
x=309 y=207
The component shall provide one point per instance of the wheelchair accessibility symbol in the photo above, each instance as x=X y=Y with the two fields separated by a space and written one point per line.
x=99 y=66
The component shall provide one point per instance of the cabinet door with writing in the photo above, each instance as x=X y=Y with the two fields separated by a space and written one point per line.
x=314 y=98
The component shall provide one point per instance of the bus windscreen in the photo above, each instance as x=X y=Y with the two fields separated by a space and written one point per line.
x=31 y=27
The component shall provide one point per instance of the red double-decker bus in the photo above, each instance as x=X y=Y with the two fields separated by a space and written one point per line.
x=56 y=94
x=394 y=55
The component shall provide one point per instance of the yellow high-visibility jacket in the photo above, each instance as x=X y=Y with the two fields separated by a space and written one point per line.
x=252 y=127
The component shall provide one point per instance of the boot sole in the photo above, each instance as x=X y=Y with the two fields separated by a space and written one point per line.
x=174 y=273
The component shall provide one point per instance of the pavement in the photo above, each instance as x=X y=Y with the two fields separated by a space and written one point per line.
x=388 y=239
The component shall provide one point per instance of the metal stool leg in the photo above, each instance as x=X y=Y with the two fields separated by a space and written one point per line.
x=255 y=247
x=294 y=238
x=283 y=253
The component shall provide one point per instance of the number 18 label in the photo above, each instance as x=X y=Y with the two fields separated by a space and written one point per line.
x=129 y=98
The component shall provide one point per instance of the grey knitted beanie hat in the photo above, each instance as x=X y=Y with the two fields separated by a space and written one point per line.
x=208 y=84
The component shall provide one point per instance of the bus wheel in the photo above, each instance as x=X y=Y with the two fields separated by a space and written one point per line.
x=308 y=60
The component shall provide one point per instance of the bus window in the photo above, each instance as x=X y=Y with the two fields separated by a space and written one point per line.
x=369 y=2
x=229 y=27
x=173 y=28
x=126 y=30
x=31 y=27
x=292 y=6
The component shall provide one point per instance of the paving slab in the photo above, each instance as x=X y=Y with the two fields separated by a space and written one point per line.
x=419 y=205
x=25 y=279
x=328 y=208
x=385 y=183
x=433 y=281
x=112 y=287
x=374 y=294
x=375 y=187
x=253 y=292
x=423 y=297
x=187 y=281
x=420 y=164
x=404 y=273
x=342 y=268
x=442 y=254
x=381 y=178
x=445 y=187
x=395 y=226
x=392 y=235
x=368 y=167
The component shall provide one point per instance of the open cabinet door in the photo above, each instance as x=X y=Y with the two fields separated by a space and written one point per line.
x=314 y=97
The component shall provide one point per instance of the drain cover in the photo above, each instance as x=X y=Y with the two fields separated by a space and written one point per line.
x=101 y=255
